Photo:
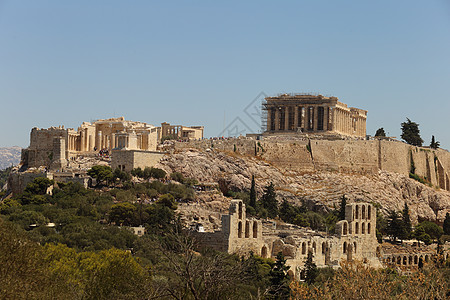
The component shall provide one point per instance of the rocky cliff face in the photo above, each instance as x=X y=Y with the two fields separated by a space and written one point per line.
x=9 y=156
x=390 y=190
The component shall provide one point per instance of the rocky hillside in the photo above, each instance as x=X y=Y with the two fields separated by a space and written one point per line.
x=9 y=156
x=390 y=190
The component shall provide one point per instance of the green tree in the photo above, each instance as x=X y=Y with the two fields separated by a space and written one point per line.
x=446 y=226
x=252 y=202
x=101 y=173
x=122 y=213
x=432 y=229
x=311 y=270
x=411 y=133
x=269 y=201
x=394 y=225
x=434 y=144
x=158 y=173
x=342 y=207
x=406 y=227
x=287 y=212
x=380 y=132
x=279 y=280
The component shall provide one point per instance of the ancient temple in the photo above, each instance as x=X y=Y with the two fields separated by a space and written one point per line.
x=300 y=113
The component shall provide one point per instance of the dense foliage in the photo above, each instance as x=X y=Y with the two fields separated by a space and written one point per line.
x=411 y=133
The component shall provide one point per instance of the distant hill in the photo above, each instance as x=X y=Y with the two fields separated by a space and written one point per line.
x=9 y=156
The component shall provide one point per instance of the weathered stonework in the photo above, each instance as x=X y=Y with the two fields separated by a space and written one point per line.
x=296 y=113
x=127 y=160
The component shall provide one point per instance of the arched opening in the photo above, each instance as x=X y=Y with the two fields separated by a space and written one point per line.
x=344 y=248
x=345 y=228
x=290 y=273
x=240 y=210
x=303 y=248
x=416 y=260
x=388 y=260
x=404 y=260
x=239 y=229
x=363 y=212
x=247 y=229
x=354 y=247
x=314 y=247
x=255 y=229
x=368 y=228
x=264 y=252
x=427 y=258
x=357 y=212
x=369 y=211
x=324 y=247
x=399 y=260
x=363 y=228
x=410 y=260
x=356 y=228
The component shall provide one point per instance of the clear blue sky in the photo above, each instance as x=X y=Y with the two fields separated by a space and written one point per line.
x=203 y=62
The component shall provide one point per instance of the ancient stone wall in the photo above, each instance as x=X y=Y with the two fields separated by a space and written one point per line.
x=129 y=159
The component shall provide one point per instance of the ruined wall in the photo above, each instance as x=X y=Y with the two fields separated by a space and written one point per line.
x=17 y=182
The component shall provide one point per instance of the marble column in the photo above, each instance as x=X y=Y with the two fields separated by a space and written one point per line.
x=295 y=118
x=286 y=118
x=277 y=119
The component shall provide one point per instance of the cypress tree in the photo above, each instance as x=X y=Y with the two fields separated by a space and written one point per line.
x=279 y=280
x=393 y=228
x=447 y=224
x=252 y=202
x=311 y=270
x=269 y=201
x=406 y=227
x=342 y=208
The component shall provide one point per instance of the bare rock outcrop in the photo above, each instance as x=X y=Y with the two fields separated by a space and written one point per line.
x=390 y=190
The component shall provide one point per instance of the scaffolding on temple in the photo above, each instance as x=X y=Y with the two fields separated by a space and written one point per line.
x=263 y=115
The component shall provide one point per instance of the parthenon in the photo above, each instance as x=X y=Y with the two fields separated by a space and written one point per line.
x=300 y=113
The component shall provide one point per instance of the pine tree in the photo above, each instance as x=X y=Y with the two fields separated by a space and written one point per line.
x=434 y=144
x=406 y=227
x=380 y=132
x=411 y=133
x=279 y=280
x=394 y=225
x=311 y=270
x=269 y=201
x=252 y=202
x=342 y=208
x=446 y=225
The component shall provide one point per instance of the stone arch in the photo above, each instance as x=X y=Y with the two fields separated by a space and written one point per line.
x=363 y=228
x=324 y=247
x=345 y=228
x=255 y=229
x=303 y=248
x=356 y=211
x=354 y=247
x=240 y=209
x=239 y=229
x=247 y=229
x=369 y=211
x=404 y=260
x=368 y=228
x=264 y=252
x=344 y=248
x=314 y=247
x=363 y=212
x=416 y=260
x=410 y=260
x=399 y=260
x=356 y=228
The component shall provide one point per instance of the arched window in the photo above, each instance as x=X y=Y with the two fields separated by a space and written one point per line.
x=345 y=228
x=264 y=252
x=255 y=229
x=240 y=209
x=363 y=212
x=314 y=246
x=368 y=228
x=426 y=258
x=369 y=211
x=357 y=212
x=303 y=248
x=239 y=229
x=404 y=260
x=399 y=260
x=416 y=260
x=344 y=248
x=324 y=247
x=247 y=229
x=354 y=247
x=410 y=260
x=356 y=228
x=363 y=228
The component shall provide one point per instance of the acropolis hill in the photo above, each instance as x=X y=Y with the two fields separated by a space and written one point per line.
x=306 y=136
